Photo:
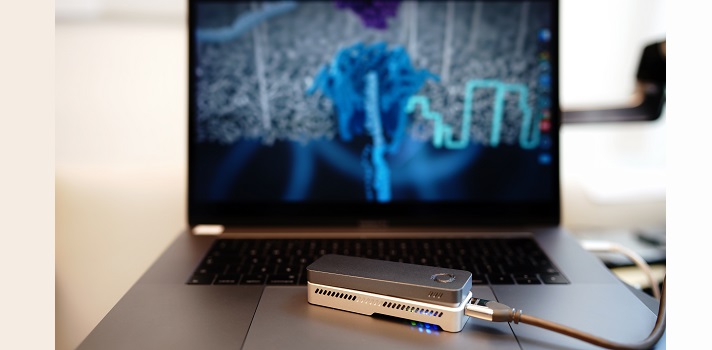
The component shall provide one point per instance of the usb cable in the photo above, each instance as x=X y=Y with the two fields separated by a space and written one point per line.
x=497 y=312
x=610 y=247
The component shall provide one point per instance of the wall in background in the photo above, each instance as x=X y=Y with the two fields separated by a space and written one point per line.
x=601 y=44
x=82 y=9
x=601 y=41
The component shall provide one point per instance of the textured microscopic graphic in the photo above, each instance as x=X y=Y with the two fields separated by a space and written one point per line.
x=371 y=90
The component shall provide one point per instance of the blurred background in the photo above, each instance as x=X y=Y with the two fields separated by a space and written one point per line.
x=121 y=129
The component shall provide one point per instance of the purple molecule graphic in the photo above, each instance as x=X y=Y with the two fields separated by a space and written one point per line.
x=374 y=14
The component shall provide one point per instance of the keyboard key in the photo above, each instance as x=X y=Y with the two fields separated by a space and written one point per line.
x=554 y=278
x=500 y=279
x=302 y=280
x=201 y=279
x=253 y=279
x=286 y=270
x=479 y=279
x=526 y=279
x=210 y=269
x=227 y=279
x=282 y=280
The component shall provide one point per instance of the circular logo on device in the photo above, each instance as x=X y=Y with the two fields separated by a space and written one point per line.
x=443 y=277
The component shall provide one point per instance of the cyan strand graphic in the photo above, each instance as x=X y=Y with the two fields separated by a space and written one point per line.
x=443 y=134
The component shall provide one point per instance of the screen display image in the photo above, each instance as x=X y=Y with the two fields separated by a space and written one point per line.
x=380 y=101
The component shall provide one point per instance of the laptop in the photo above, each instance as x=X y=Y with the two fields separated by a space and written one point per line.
x=418 y=132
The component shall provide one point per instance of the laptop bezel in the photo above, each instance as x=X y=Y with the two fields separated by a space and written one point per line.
x=348 y=214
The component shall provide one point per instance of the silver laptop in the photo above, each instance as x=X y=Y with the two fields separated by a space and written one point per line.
x=418 y=132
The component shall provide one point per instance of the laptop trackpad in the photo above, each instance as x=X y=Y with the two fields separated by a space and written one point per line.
x=316 y=327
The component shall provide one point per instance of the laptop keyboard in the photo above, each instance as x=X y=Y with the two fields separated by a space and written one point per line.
x=284 y=261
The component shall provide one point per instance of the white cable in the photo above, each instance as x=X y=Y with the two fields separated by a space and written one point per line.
x=610 y=247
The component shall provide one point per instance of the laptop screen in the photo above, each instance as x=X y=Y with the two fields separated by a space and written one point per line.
x=398 y=112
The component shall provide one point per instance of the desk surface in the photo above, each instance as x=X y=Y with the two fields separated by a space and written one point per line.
x=120 y=172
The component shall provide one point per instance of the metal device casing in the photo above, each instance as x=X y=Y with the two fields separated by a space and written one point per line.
x=450 y=319
x=435 y=285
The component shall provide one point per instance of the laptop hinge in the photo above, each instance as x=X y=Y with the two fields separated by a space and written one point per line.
x=208 y=230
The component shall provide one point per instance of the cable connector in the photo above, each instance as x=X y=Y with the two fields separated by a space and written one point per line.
x=492 y=311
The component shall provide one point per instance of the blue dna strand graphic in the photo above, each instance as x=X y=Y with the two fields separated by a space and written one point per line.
x=444 y=135
x=369 y=86
x=381 y=177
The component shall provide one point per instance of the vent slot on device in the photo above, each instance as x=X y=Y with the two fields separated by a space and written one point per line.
x=334 y=294
x=416 y=310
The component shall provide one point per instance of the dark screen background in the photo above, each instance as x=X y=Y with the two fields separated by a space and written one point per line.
x=287 y=96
